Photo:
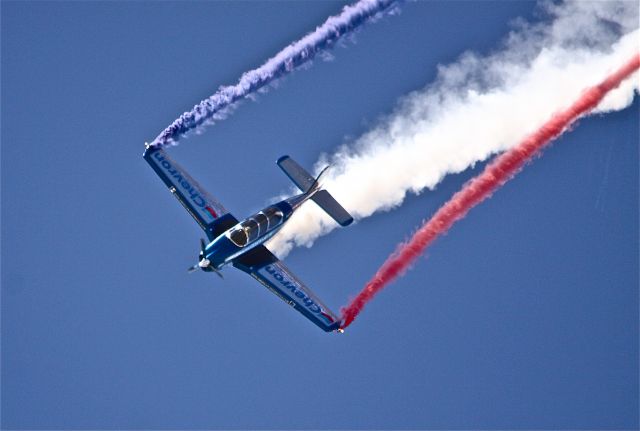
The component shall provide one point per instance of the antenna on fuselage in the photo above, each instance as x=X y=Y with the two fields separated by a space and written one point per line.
x=316 y=185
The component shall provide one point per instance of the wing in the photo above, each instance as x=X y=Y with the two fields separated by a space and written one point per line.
x=262 y=265
x=212 y=217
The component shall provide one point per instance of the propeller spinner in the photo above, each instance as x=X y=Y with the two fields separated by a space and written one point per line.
x=203 y=263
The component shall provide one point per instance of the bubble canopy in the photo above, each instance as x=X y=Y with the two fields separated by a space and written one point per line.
x=256 y=226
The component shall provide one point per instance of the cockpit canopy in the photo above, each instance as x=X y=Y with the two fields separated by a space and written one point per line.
x=256 y=226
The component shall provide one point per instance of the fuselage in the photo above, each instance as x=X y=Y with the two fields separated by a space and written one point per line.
x=251 y=232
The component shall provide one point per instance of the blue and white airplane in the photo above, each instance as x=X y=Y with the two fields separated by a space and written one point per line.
x=241 y=243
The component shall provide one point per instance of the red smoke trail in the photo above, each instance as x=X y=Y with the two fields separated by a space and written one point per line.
x=499 y=171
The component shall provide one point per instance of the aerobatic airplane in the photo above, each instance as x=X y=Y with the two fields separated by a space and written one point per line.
x=241 y=243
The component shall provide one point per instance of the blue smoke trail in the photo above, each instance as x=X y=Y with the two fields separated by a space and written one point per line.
x=281 y=64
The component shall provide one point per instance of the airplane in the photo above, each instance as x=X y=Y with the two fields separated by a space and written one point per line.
x=241 y=243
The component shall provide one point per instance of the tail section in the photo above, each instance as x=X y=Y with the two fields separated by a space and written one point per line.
x=309 y=185
x=317 y=184
x=332 y=207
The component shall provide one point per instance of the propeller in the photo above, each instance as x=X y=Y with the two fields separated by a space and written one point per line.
x=203 y=263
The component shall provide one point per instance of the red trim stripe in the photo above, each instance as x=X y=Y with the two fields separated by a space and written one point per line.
x=211 y=211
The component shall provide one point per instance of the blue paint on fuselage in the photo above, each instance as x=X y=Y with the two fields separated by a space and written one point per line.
x=222 y=251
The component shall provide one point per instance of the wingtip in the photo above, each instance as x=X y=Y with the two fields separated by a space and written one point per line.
x=149 y=149
x=283 y=158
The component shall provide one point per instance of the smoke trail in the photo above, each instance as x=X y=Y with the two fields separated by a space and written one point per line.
x=503 y=168
x=291 y=57
x=477 y=107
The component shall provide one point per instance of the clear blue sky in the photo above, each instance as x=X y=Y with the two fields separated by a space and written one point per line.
x=524 y=316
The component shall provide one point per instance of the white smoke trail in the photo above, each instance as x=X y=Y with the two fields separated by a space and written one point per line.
x=477 y=107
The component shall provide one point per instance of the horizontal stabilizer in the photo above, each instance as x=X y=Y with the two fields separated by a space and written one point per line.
x=296 y=173
x=332 y=207
x=323 y=198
